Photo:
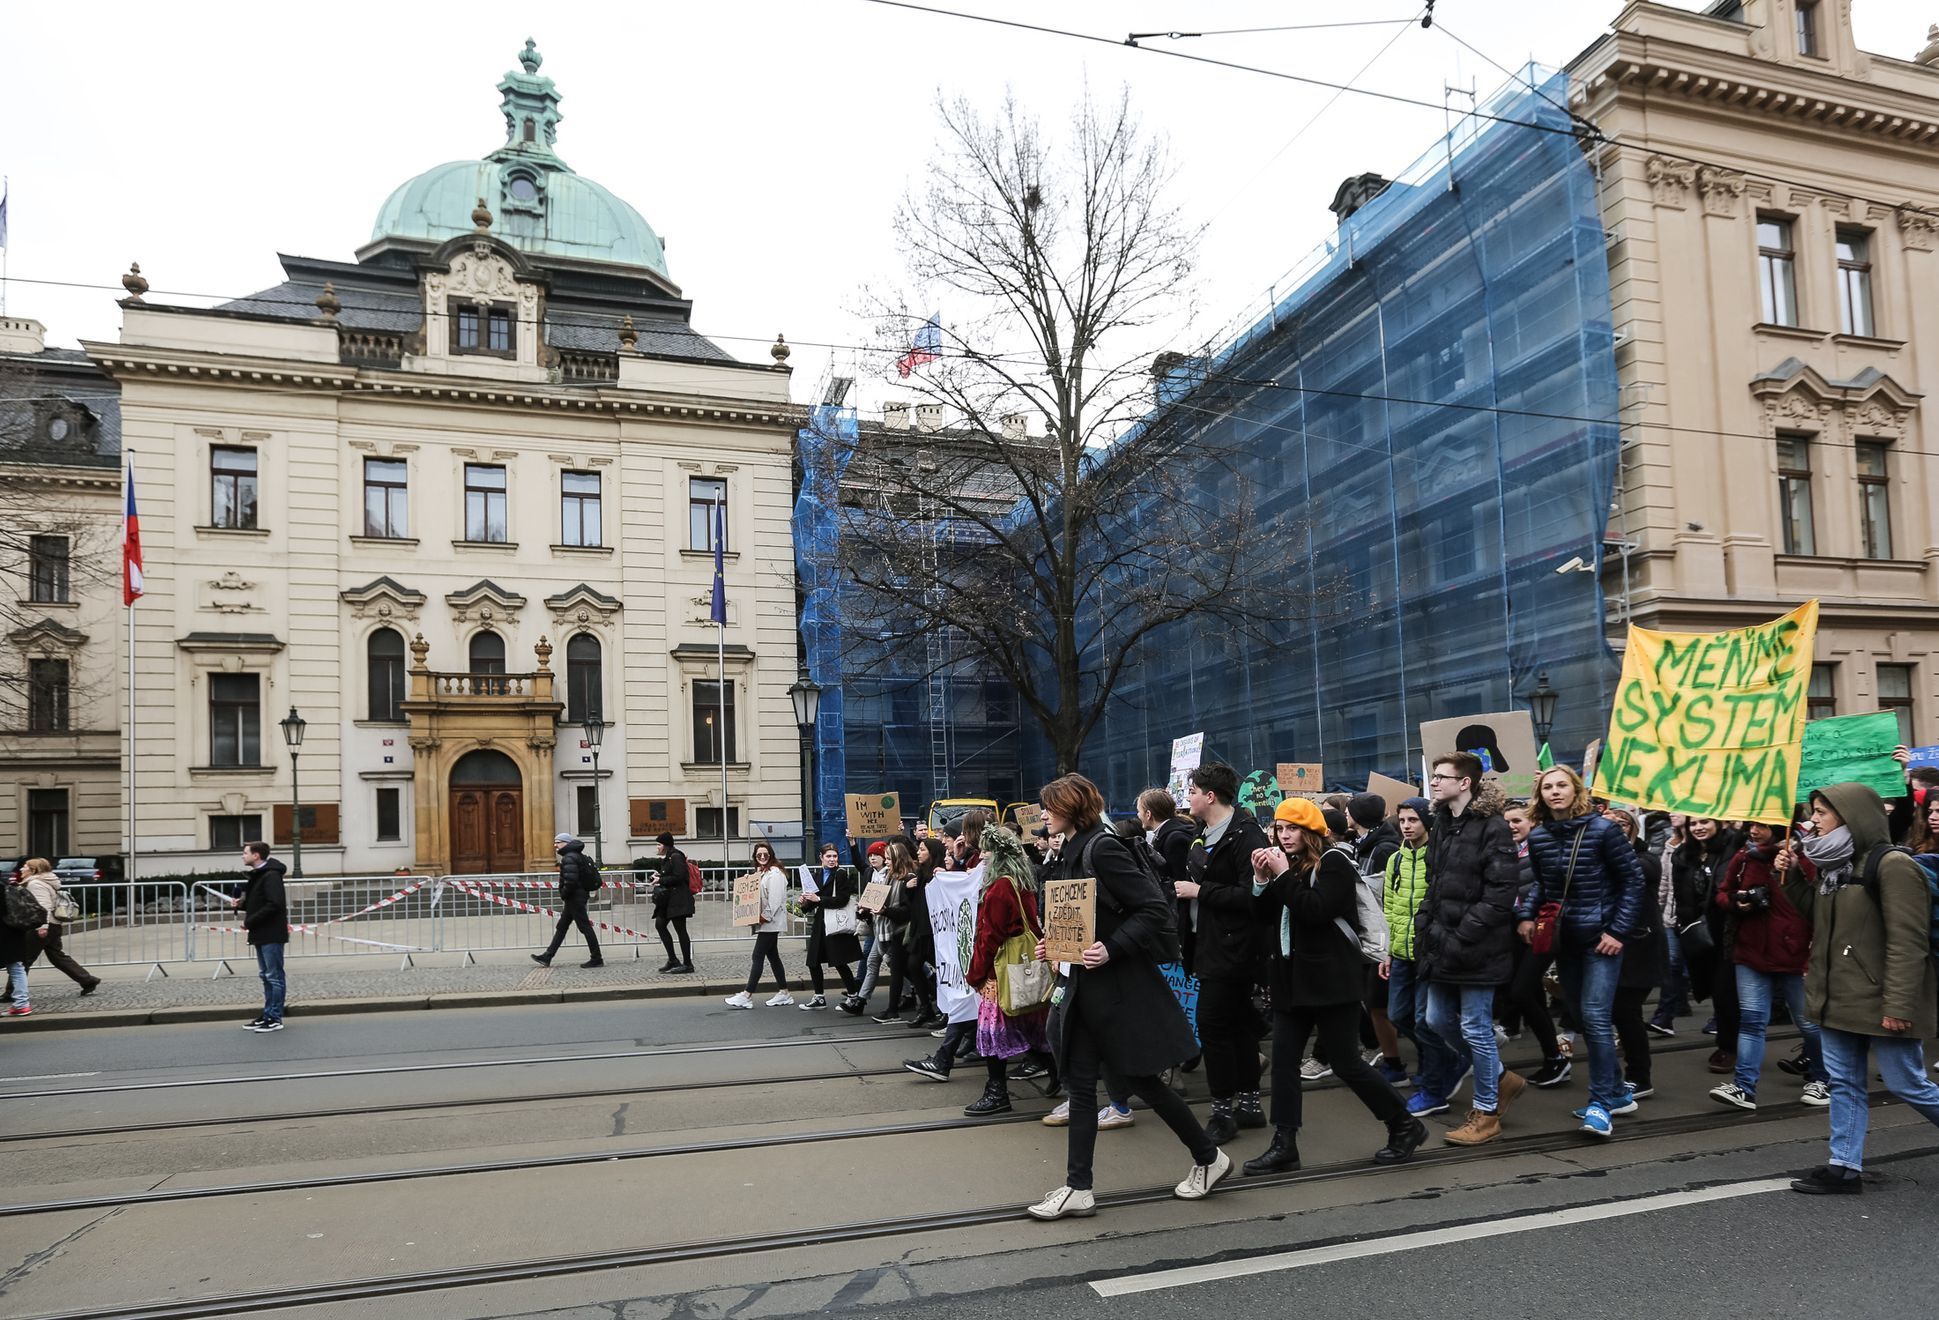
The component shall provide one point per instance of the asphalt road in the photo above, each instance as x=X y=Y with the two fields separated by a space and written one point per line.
x=211 y=1162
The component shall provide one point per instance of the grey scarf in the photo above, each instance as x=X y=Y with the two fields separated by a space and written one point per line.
x=1831 y=853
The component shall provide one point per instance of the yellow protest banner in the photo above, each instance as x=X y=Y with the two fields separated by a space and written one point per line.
x=1711 y=723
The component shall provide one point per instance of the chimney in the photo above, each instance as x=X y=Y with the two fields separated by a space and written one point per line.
x=20 y=334
x=1016 y=426
x=1355 y=193
x=895 y=416
x=929 y=417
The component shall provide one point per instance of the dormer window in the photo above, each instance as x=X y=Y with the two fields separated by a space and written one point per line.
x=522 y=189
x=531 y=133
x=1807 y=27
x=484 y=328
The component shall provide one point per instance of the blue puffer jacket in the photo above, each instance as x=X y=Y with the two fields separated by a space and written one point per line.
x=1606 y=893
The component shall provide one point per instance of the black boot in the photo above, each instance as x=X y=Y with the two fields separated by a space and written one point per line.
x=994 y=1100
x=1220 y=1127
x=670 y=965
x=1405 y=1133
x=1280 y=1157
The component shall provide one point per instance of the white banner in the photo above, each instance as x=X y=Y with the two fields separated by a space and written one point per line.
x=952 y=915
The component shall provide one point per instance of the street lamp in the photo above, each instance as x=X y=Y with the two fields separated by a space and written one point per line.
x=595 y=730
x=1541 y=706
x=805 y=693
x=292 y=726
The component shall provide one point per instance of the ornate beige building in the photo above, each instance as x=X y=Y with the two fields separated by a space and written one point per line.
x=448 y=501
x=1771 y=196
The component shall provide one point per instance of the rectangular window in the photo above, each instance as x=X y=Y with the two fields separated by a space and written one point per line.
x=1794 y=494
x=465 y=327
x=483 y=328
x=713 y=727
x=1821 y=697
x=47 y=822
x=579 y=508
x=235 y=720
x=499 y=330
x=229 y=833
x=47 y=696
x=232 y=474
x=1895 y=695
x=390 y=815
x=588 y=802
x=485 y=503
x=1875 y=498
x=1855 y=281
x=1777 y=271
x=1807 y=23
x=702 y=494
x=707 y=822
x=47 y=570
x=386 y=498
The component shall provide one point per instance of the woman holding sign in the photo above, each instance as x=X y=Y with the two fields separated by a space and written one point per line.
x=828 y=897
x=1112 y=1007
x=772 y=887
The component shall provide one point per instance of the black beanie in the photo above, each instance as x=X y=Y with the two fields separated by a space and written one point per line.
x=1367 y=809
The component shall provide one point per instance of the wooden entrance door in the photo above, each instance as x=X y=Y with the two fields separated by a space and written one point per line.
x=487 y=830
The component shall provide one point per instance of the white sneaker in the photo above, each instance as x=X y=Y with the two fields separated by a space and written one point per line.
x=819 y=1001
x=1062 y=1203
x=1058 y=1117
x=1312 y=1070
x=1203 y=1178
x=781 y=1000
x=1729 y=1093
x=741 y=1000
x=1112 y=1117
x=1501 y=1035
x=1371 y=1057
x=1816 y=1094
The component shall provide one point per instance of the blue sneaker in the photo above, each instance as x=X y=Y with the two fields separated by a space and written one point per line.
x=1392 y=1071
x=1595 y=1120
x=1627 y=1105
x=1421 y=1104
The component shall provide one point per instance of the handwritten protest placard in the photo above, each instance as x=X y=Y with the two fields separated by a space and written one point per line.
x=1391 y=791
x=1028 y=818
x=1851 y=749
x=1591 y=757
x=873 y=815
x=1260 y=794
x=747 y=901
x=1184 y=989
x=1301 y=778
x=1503 y=740
x=875 y=896
x=1186 y=753
x=1712 y=724
x=1923 y=758
x=1070 y=919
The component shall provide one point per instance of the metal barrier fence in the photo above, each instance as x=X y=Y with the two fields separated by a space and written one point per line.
x=153 y=923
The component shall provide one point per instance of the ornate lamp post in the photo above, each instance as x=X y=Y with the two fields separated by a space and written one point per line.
x=1541 y=707
x=805 y=693
x=594 y=730
x=292 y=726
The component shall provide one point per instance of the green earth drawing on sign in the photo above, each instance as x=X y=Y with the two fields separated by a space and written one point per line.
x=888 y=801
x=965 y=937
x=1259 y=793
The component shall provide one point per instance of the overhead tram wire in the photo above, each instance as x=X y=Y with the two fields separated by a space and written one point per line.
x=1135 y=37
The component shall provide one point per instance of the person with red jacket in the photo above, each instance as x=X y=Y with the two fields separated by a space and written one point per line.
x=1769 y=940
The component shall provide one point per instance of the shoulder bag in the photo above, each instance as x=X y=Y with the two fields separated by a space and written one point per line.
x=1548 y=917
x=1023 y=983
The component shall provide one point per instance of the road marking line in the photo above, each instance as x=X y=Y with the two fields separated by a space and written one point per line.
x=50 y=1077
x=1128 y=1284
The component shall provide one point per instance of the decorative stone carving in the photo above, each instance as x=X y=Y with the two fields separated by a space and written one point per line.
x=384 y=598
x=1722 y=190
x=1875 y=418
x=484 y=601
x=582 y=607
x=1670 y=180
x=1918 y=229
x=229 y=594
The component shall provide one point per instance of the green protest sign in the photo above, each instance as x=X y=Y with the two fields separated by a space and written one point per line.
x=1259 y=793
x=1851 y=749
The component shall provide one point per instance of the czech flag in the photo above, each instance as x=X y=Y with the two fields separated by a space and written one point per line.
x=928 y=346
x=131 y=547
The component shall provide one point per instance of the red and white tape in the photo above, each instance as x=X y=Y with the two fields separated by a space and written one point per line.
x=520 y=905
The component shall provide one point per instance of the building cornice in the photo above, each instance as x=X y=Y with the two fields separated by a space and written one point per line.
x=62 y=476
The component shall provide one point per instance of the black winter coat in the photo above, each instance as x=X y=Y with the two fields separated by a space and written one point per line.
x=1125 y=1006
x=1229 y=942
x=673 y=897
x=1643 y=956
x=1372 y=849
x=1465 y=929
x=836 y=890
x=1604 y=892
x=576 y=871
x=265 y=911
x=1325 y=966
x=1694 y=874
x=1173 y=844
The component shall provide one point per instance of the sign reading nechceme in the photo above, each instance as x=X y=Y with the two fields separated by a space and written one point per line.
x=1070 y=919
x=1712 y=724
x=873 y=815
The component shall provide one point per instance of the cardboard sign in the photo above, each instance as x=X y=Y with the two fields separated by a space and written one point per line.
x=1027 y=819
x=1923 y=758
x=1259 y=793
x=1070 y=919
x=873 y=815
x=1305 y=779
x=875 y=896
x=1851 y=749
x=747 y=901
x=1590 y=756
x=1186 y=753
x=1391 y=791
x=1712 y=724
x=1504 y=740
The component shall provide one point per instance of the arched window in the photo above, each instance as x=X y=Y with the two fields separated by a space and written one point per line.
x=583 y=683
x=487 y=653
x=384 y=655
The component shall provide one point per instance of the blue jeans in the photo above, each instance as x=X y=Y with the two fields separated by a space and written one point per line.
x=1463 y=1016
x=269 y=961
x=1675 y=999
x=1754 y=1015
x=1902 y=1063
x=17 y=984
x=1589 y=985
x=1407 y=1010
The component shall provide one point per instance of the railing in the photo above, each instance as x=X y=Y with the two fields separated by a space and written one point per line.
x=481 y=685
x=143 y=924
x=369 y=348
x=587 y=368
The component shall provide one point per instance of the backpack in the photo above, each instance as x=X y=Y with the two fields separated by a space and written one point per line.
x=1368 y=929
x=586 y=874
x=1163 y=943
x=1928 y=865
x=22 y=910
x=695 y=881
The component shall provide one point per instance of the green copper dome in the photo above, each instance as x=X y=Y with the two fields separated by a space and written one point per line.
x=538 y=204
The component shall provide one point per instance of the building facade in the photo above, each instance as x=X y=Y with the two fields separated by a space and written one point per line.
x=1771 y=198
x=448 y=503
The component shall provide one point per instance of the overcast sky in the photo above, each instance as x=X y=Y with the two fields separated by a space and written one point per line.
x=768 y=141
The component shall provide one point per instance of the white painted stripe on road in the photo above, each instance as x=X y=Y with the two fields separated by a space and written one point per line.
x=50 y=1077
x=1128 y=1284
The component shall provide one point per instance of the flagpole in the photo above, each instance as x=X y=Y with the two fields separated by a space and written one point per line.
x=720 y=558
x=132 y=872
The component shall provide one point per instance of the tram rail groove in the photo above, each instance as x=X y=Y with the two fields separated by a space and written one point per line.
x=465 y=1276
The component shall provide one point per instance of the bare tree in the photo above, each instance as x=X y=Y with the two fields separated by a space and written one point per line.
x=1058 y=523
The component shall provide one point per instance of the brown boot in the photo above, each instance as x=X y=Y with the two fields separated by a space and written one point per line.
x=1511 y=1085
x=1478 y=1130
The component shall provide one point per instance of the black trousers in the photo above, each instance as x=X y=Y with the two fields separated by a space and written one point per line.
x=1632 y=1034
x=1525 y=999
x=898 y=957
x=767 y=947
x=849 y=983
x=679 y=925
x=573 y=905
x=1338 y=1028
x=1723 y=998
x=58 y=959
x=1225 y=1036
x=1081 y=1065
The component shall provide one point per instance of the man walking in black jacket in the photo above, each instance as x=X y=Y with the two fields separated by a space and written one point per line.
x=1226 y=948
x=265 y=916
x=578 y=880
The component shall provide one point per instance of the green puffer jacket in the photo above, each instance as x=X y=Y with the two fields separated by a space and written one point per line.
x=1869 y=961
x=1406 y=887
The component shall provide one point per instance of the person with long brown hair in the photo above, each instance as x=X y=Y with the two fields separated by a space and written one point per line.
x=767 y=935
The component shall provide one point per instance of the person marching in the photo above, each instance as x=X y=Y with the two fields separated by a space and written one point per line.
x=767 y=933
x=578 y=881
x=829 y=903
x=1007 y=931
x=673 y=904
x=37 y=874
